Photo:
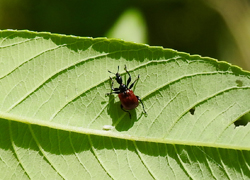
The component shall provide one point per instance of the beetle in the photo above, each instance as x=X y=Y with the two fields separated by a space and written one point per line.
x=127 y=97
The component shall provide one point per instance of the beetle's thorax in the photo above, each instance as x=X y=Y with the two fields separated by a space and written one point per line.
x=123 y=88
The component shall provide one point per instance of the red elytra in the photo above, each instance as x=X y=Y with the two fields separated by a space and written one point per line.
x=128 y=100
x=127 y=97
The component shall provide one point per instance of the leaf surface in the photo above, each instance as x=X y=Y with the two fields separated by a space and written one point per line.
x=57 y=123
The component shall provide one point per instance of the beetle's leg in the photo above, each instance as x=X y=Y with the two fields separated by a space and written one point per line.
x=115 y=90
x=126 y=111
x=129 y=78
x=139 y=99
x=134 y=82
x=112 y=85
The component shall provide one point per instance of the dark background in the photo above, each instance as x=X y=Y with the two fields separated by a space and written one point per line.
x=214 y=28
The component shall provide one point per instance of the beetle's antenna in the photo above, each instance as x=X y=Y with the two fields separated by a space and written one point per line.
x=114 y=73
x=111 y=72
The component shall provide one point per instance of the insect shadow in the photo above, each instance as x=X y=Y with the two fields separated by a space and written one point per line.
x=120 y=119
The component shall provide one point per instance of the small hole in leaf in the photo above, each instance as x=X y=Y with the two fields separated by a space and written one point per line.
x=192 y=110
x=239 y=83
x=243 y=120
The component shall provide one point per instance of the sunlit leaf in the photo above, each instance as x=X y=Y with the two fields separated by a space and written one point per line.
x=57 y=123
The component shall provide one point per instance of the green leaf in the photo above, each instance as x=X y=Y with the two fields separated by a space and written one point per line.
x=57 y=123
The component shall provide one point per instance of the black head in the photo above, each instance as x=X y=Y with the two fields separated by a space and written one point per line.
x=123 y=88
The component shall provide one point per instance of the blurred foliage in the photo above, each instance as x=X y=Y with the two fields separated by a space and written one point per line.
x=218 y=29
x=131 y=21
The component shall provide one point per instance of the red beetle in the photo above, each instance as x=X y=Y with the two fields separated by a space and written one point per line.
x=127 y=97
